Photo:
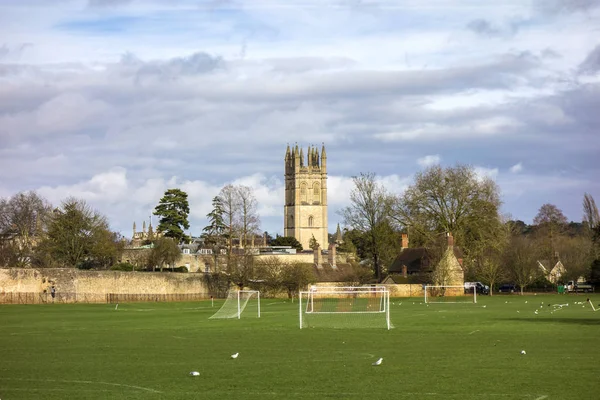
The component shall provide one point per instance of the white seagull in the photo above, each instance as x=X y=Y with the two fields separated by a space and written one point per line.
x=235 y=355
x=378 y=362
x=194 y=373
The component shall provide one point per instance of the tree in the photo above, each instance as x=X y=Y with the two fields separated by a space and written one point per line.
x=296 y=276
x=368 y=213
x=249 y=219
x=521 y=260
x=76 y=234
x=454 y=200
x=22 y=224
x=489 y=256
x=313 y=244
x=550 y=224
x=229 y=203
x=287 y=241
x=214 y=233
x=269 y=272
x=165 y=252
x=173 y=210
x=591 y=220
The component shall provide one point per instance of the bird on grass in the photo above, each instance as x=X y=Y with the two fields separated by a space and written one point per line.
x=235 y=355
x=194 y=373
x=378 y=362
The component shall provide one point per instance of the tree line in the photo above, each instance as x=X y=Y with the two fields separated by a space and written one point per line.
x=457 y=200
x=440 y=200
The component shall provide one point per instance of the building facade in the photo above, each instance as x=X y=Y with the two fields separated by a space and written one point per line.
x=305 y=209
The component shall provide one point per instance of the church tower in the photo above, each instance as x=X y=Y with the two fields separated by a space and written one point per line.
x=305 y=209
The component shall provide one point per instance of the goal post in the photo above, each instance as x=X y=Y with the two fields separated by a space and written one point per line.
x=236 y=302
x=448 y=294
x=344 y=307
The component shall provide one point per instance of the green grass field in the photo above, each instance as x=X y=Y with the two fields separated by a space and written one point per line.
x=441 y=351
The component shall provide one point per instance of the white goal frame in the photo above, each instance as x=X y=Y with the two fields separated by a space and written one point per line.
x=460 y=290
x=236 y=309
x=306 y=300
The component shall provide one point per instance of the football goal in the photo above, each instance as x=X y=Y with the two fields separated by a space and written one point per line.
x=237 y=301
x=345 y=307
x=448 y=294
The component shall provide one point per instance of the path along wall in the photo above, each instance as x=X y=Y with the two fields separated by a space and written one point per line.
x=94 y=286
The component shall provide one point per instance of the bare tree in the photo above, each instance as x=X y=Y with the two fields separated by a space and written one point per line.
x=590 y=212
x=230 y=205
x=249 y=220
x=22 y=224
x=368 y=213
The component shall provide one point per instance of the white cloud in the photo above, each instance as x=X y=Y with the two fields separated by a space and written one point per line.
x=430 y=160
x=115 y=104
x=516 y=168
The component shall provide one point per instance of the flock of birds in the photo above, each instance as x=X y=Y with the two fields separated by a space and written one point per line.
x=380 y=360
x=236 y=355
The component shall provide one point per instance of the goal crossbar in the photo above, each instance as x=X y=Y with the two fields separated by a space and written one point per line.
x=339 y=300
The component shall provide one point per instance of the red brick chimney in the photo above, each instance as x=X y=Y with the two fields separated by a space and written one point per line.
x=404 y=241
x=450 y=239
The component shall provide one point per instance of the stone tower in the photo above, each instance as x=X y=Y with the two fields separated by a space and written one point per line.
x=305 y=209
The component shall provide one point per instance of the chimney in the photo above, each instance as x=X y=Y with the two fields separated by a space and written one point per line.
x=405 y=241
x=404 y=271
x=331 y=255
x=318 y=258
x=450 y=239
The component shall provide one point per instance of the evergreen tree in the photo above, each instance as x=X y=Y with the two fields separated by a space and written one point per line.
x=216 y=231
x=173 y=210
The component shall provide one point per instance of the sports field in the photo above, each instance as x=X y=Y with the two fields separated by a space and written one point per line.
x=439 y=351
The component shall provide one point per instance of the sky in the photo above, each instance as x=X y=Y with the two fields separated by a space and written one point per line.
x=116 y=101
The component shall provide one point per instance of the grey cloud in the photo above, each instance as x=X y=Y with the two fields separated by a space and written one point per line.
x=483 y=27
x=197 y=63
x=591 y=64
x=486 y=28
x=565 y=6
x=14 y=53
x=107 y=3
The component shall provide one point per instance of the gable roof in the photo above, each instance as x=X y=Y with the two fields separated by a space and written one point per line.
x=417 y=260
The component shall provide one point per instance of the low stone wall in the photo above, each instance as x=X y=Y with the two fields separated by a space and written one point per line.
x=94 y=286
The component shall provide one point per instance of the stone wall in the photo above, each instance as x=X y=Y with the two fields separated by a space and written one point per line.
x=97 y=284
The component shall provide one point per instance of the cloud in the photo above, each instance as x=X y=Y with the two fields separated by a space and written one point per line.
x=107 y=3
x=591 y=64
x=483 y=27
x=428 y=161
x=565 y=6
x=483 y=172
x=516 y=168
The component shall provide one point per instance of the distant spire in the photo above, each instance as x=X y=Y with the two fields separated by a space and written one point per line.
x=301 y=157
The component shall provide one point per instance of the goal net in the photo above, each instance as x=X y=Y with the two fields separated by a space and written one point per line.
x=448 y=294
x=237 y=301
x=345 y=307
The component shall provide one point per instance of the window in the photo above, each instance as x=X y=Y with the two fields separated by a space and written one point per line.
x=186 y=251
x=303 y=193
x=311 y=221
x=316 y=192
x=206 y=268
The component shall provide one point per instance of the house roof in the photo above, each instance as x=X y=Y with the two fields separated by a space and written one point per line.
x=417 y=260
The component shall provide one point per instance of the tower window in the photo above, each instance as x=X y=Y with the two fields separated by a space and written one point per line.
x=303 y=193
x=311 y=221
x=316 y=193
